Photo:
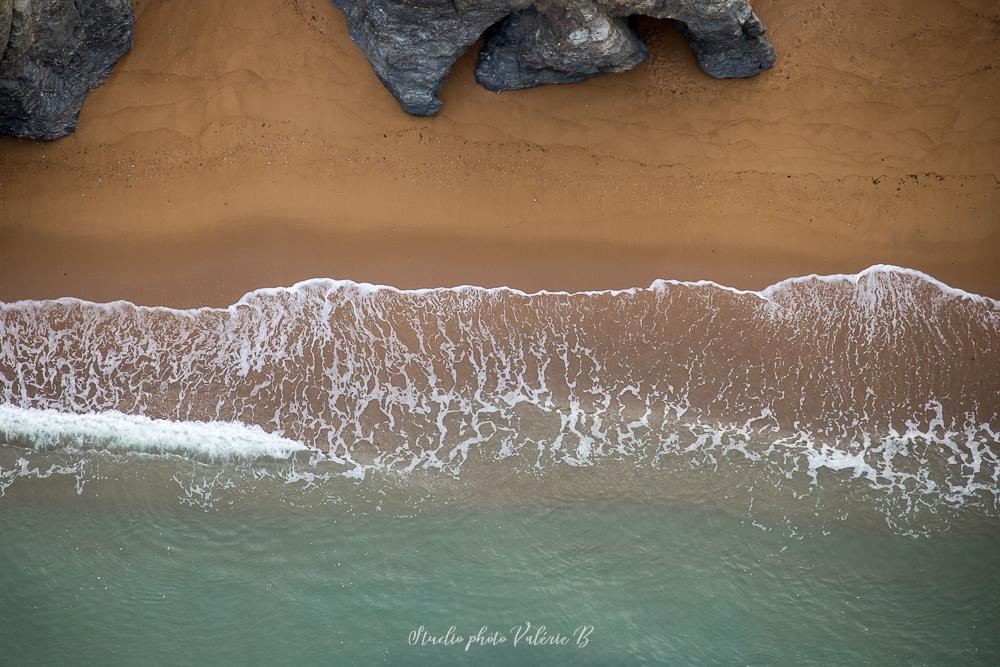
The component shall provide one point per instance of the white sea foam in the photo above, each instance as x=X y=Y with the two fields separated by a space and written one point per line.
x=365 y=289
x=115 y=431
x=887 y=373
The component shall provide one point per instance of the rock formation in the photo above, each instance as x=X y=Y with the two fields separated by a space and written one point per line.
x=412 y=44
x=53 y=53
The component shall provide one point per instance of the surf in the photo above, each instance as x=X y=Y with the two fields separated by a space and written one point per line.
x=888 y=378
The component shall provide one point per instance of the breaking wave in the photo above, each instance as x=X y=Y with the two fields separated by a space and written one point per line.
x=118 y=432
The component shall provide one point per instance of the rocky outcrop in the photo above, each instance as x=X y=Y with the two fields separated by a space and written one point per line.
x=53 y=53
x=412 y=44
x=563 y=44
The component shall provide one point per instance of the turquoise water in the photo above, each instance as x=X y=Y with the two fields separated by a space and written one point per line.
x=166 y=562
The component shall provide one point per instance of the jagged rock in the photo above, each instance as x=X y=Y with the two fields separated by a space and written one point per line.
x=731 y=48
x=560 y=45
x=412 y=44
x=53 y=53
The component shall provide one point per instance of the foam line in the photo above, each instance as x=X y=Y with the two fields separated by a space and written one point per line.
x=766 y=294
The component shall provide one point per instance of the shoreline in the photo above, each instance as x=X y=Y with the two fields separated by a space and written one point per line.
x=186 y=273
x=249 y=145
x=370 y=288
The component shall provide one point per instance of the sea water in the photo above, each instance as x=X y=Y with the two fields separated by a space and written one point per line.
x=348 y=474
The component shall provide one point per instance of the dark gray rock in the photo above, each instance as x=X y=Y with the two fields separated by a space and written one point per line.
x=412 y=44
x=53 y=53
x=559 y=45
x=731 y=48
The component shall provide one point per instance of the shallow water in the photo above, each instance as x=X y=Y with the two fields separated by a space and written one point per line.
x=147 y=566
x=686 y=474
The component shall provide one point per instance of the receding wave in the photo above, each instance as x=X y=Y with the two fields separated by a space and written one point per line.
x=887 y=374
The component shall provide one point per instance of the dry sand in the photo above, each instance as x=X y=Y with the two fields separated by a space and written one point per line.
x=247 y=143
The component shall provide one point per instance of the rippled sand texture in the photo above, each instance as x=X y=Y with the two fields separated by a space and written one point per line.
x=246 y=143
x=888 y=374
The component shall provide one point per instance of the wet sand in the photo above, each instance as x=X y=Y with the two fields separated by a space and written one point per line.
x=247 y=143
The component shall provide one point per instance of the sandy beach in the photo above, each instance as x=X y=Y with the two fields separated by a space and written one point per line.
x=247 y=143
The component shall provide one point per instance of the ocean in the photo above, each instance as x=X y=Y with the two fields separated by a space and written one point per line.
x=344 y=473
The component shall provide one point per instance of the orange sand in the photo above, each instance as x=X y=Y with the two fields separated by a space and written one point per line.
x=247 y=143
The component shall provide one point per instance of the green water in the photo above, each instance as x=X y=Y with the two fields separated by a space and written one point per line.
x=135 y=573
